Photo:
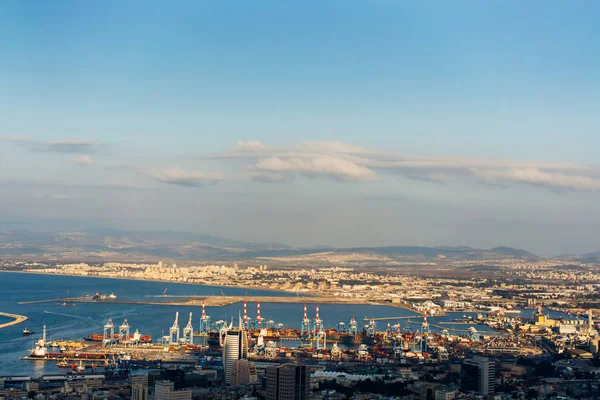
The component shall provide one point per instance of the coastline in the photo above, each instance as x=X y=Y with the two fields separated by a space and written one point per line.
x=154 y=280
x=287 y=296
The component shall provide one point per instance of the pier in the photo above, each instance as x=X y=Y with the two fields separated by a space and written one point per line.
x=391 y=318
x=17 y=319
x=417 y=315
x=219 y=301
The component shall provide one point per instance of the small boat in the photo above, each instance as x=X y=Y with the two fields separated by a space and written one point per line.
x=63 y=349
x=54 y=344
x=63 y=364
x=27 y=332
x=81 y=367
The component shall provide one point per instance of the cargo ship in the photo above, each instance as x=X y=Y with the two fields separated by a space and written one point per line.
x=136 y=337
x=38 y=353
x=97 y=296
x=352 y=340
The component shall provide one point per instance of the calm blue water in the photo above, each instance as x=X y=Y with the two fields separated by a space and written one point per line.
x=83 y=319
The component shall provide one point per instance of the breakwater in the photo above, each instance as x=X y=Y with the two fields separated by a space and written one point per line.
x=17 y=319
x=219 y=301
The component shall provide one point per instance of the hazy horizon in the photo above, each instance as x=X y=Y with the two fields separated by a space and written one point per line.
x=34 y=228
x=339 y=124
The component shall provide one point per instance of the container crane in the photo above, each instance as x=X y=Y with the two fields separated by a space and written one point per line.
x=109 y=332
x=124 y=331
x=204 y=321
x=188 y=331
x=353 y=329
x=174 y=330
x=318 y=323
x=305 y=325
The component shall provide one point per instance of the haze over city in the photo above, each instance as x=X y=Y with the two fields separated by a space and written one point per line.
x=342 y=124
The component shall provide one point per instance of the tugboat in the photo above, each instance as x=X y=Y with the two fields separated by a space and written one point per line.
x=27 y=332
x=63 y=364
x=80 y=367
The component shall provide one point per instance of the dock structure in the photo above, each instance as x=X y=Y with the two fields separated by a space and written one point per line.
x=218 y=301
x=395 y=318
x=17 y=319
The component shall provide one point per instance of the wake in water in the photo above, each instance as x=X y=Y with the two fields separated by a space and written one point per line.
x=118 y=315
x=68 y=315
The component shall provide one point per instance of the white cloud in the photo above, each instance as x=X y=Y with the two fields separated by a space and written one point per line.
x=330 y=166
x=534 y=176
x=178 y=176
x=344 y=162
x=250 y=145
x=58 y=146
x=81 y=160
x=332 y=147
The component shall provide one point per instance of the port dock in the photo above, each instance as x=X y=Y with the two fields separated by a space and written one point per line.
x=17 y=319
x=219 y=301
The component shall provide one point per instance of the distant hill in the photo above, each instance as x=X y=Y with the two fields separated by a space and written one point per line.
x=593 y=257
x=118 y=244
x=174 y=238
x=113 y=244
x=513 y=252
x=408 y=253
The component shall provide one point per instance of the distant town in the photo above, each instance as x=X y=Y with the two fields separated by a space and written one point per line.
x=496 y=329
x=549 y=282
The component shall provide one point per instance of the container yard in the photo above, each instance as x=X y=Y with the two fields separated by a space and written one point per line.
x=368 y=341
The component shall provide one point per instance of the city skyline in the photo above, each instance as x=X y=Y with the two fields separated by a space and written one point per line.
x=340 y=124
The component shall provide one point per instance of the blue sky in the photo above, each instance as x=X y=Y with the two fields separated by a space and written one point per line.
x=359 y=123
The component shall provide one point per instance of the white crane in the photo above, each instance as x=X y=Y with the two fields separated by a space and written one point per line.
x=109 y=332
x=188 y=331
x=174 y=330
x=124 y=331
x=321 y=338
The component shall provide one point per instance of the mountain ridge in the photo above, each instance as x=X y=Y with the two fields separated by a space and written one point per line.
x=108 y=243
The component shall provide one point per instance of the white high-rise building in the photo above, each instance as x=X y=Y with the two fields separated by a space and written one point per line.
x=235 y=347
